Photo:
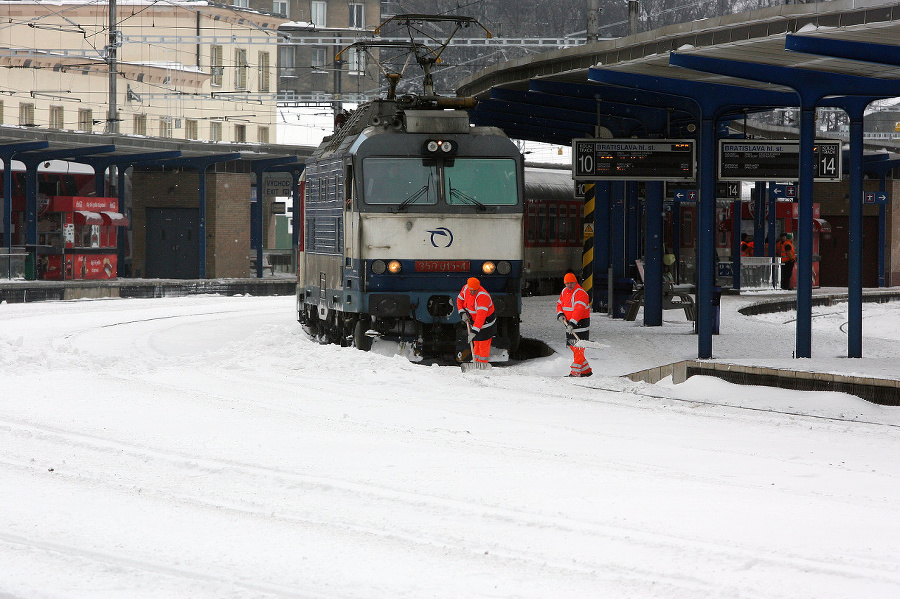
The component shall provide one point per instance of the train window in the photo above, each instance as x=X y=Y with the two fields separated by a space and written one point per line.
x=542 y=223
x=531 y=223
x=399 y=181
x=563 y=224
x=481 y=182
x=553 y=235
x=574 y=222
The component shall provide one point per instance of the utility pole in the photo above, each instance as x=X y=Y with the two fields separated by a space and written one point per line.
x=593 y=20
x=633 y=14
x=112 y=118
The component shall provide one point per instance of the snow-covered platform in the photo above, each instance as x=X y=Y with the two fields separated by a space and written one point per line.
x=17 y=291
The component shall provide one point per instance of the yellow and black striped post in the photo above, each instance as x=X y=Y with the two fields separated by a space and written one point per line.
x=587 y=256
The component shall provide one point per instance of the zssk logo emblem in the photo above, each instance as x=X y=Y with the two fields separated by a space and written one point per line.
x=441 y=237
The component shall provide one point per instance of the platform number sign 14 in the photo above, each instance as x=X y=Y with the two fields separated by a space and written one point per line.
x=827 y=160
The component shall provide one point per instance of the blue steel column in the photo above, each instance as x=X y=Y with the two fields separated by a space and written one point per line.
x=602 y=207
x=7 y=212
x=759 y=219
x=882 y=237
x=773 y=220
x=854 y=258
x=201 y=196
x=804 y=232
x=706 y=236
x=633 y=220
x=653 y=221
x=736 y=214
x=617 y=229
x=31 y=205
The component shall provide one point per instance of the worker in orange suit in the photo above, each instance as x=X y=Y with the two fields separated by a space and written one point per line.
x=476 y=309
x=573 y=309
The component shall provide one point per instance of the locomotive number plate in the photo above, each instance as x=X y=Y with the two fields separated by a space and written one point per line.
x=442 y=265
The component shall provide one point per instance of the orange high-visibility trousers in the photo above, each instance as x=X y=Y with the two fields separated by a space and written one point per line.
x=482 y=350
x=580 y=365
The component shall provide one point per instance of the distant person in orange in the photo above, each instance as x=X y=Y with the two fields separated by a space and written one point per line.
x=788 y=257
x=573 y=309
x=746 y=245
x=476 y=310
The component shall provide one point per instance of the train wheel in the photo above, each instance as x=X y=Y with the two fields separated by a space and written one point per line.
x=360 y=339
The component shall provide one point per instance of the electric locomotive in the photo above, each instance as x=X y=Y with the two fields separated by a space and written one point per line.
x=401 y=206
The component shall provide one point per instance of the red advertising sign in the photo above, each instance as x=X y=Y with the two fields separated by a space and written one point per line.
x=89 y=204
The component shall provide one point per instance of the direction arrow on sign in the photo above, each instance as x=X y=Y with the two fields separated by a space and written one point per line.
x=875 y=197
x=685 y=195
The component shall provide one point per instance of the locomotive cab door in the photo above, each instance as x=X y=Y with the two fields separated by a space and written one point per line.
x=352 y=263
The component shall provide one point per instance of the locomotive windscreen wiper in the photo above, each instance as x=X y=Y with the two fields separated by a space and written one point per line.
x=455 y=193
x=412 y=198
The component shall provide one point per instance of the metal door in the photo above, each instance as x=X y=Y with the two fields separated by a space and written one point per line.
x=173 y=243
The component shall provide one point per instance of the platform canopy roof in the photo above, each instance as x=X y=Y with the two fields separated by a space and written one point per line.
x=841 y=37
x=92 y=148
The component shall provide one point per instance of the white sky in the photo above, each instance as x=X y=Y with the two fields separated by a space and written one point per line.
x=203 y=447
x=307 y=127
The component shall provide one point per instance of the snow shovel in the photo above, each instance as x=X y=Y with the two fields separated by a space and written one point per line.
x=473 y=365
x=579 y=342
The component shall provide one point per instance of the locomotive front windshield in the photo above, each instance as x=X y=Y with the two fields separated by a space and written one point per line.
x=400 y=181
x=481 y=182
x=408 y=182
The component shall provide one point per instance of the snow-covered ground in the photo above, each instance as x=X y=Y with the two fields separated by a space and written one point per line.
x=203 y=447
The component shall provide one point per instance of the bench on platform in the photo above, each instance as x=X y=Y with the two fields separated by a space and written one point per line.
x=673 y=298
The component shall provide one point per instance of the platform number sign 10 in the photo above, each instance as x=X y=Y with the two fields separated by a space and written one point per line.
x=584 y=158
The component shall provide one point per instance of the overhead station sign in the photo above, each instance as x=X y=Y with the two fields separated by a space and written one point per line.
x=634 y=159
x=765 y=160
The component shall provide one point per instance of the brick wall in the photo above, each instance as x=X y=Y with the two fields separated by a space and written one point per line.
x=227 y=216
x=833 y=199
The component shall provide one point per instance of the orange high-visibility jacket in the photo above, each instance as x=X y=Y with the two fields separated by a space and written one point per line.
x=574 y=304
x=479 y=305
x=787 y=251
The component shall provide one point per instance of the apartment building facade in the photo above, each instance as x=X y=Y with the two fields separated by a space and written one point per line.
x=198 y=71
x=315 y=33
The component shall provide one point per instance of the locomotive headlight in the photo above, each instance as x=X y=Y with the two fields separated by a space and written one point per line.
x=394 y=266
x=378 y=267
x=488 y=268
x=440 y=146
x=504 y=267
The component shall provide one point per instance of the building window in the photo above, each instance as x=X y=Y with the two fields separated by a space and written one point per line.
x=317 y=13
x=191 y=129
x=241 y=3
x=139 y=124
x=26 y=114
x=280 y=7
x=57 y=118
x=286 y=61
x=357 y=16
x=215 y=131
x=240 y=70
x=262 y=135
x=356 y=61
x=165 y=127
x=240 y=134
x=318 y=59
x=263 y=72
x=85 y=120
x=215 y=64
x=1 y=112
